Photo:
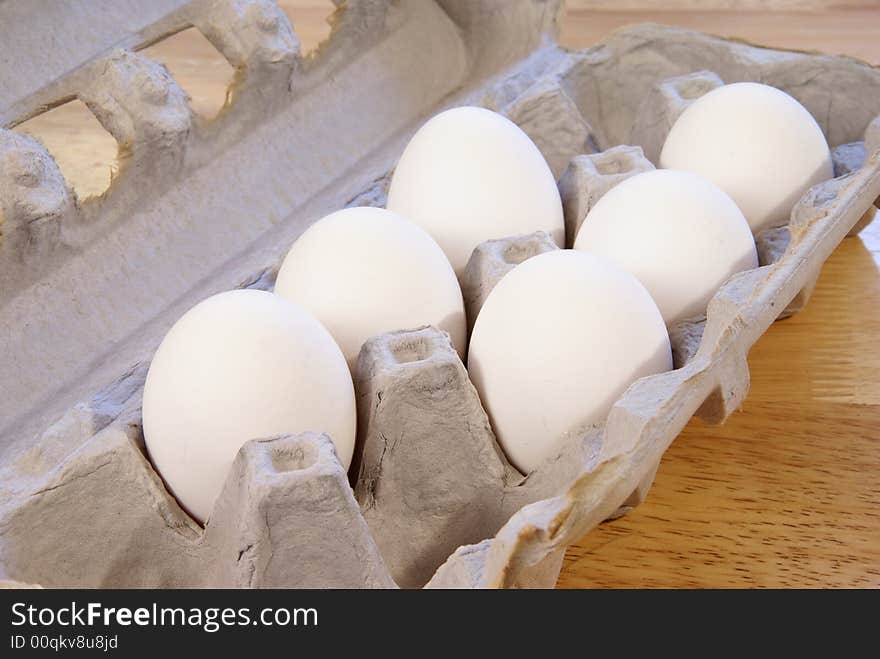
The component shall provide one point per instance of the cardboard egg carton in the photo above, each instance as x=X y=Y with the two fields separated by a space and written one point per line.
x=89 y=287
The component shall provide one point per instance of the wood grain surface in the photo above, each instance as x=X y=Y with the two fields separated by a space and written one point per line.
x=787 y=492
x=851 y=31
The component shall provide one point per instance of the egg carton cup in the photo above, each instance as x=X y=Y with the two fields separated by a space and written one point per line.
x=89 y=287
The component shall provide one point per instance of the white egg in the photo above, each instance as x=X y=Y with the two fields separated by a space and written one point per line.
x=238 y=366
x=679 y=234
x=756 y=143
x=366 y=271
x=557 y=341
x=470 y=175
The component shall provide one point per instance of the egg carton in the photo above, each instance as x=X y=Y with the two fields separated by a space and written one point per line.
x=89 y=287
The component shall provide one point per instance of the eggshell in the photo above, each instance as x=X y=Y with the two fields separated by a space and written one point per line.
x=756 y=143
x=679 y=234
x=470 y=175
x=557 y=341
x=240 y=365
x=366 y=271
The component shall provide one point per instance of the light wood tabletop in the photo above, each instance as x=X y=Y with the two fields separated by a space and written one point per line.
x=786 y=493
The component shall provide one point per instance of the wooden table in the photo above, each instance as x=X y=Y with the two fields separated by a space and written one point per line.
x=787 y=493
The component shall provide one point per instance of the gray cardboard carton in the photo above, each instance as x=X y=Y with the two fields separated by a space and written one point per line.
x=88 y=287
